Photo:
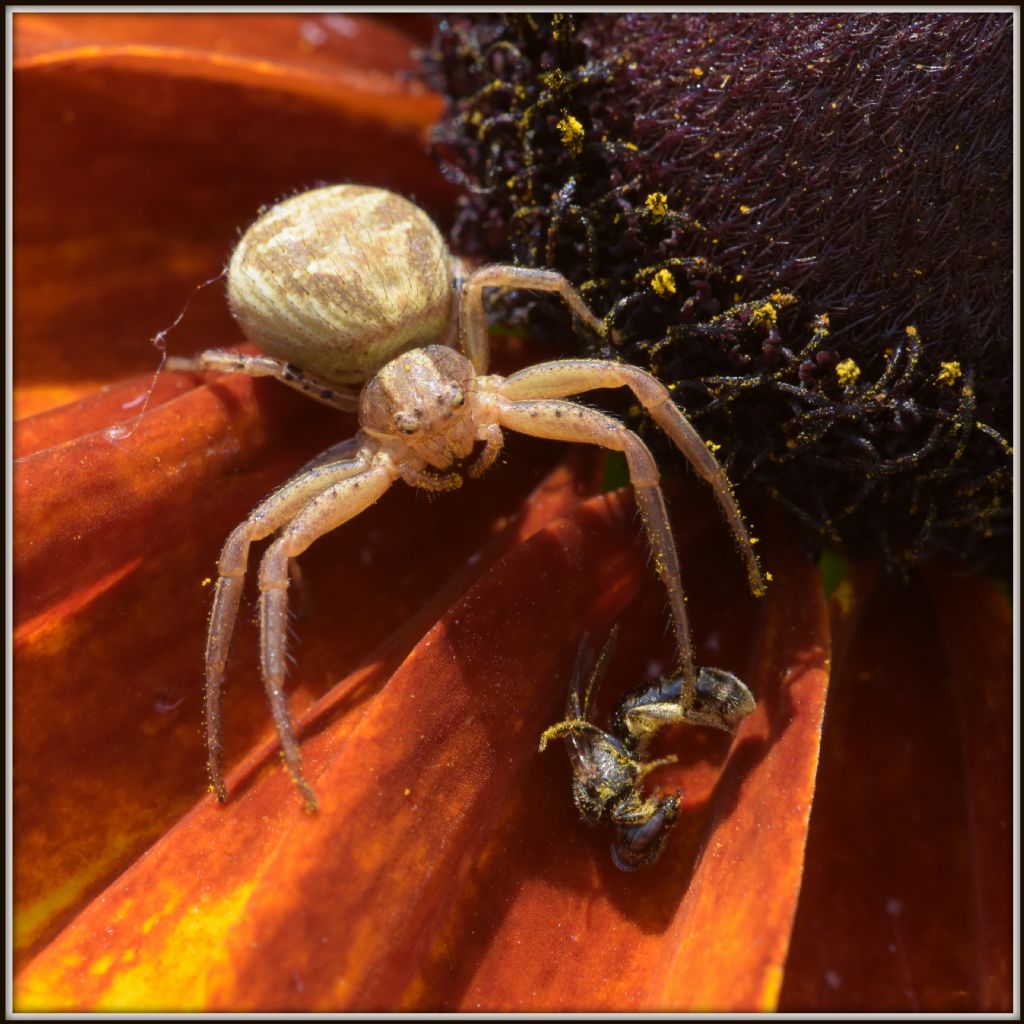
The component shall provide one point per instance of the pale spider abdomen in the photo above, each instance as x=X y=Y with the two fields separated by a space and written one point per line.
x=342 y=279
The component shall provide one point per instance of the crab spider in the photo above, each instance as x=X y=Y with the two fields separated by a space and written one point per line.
x=350 y=287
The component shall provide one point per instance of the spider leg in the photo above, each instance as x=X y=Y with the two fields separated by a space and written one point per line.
x=264 y=519
x=493 y=442
x=573 y=376
x=220 y=361
x=323 y=512
x=566 y=421
x=473 y=318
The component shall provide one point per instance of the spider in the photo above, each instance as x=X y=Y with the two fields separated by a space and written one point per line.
x=608 y=768
x=356 y=300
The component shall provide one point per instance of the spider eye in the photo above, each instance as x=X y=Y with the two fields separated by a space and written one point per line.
x=407 y=424
x=458 y=397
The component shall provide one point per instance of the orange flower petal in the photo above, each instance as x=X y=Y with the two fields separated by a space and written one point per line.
x=149 y=515
x=436 y=788
x=907 y=897
x=707 y=927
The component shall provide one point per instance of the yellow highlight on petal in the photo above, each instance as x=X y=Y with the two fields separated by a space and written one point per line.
x=173 y=968
x=102 y=965
x=32 y=919
x=772 y=987
x=175 y=973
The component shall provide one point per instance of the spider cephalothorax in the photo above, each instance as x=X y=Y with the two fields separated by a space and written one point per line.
x=348 y=285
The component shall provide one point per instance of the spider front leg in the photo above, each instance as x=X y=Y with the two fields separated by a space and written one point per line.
x=566 y=421
x=265 y=518
x=326 y=511
x=219 y=361
x=473 y=317
x=573 y=376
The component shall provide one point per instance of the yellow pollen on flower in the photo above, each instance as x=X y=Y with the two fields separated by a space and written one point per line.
x=768 y=576
x=911 y=331
x=657 y=205
x=847 y=371
x=572 y=134
x=554 y=79
x=712 y=446
x=949 y=373
x=206 y=582
x=663 y=282
x=765 y=315
x=744 y=208
x=697 y=72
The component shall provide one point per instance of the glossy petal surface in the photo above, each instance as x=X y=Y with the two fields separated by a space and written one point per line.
x=907 y=899
x=439 y=820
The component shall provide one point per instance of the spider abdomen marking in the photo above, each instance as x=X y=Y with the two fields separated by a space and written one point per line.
x=342 y=279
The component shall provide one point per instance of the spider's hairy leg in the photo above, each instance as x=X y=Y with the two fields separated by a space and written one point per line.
x=566 y=421
x=494 y=441
x=264 y=519
x=473 y=319
x=325 y=511
x=219 y=361
x=573 y=376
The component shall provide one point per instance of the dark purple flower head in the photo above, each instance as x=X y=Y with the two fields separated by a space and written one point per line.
x=800 y=222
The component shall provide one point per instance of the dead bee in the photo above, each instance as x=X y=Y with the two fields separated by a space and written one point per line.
x=608 y=768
